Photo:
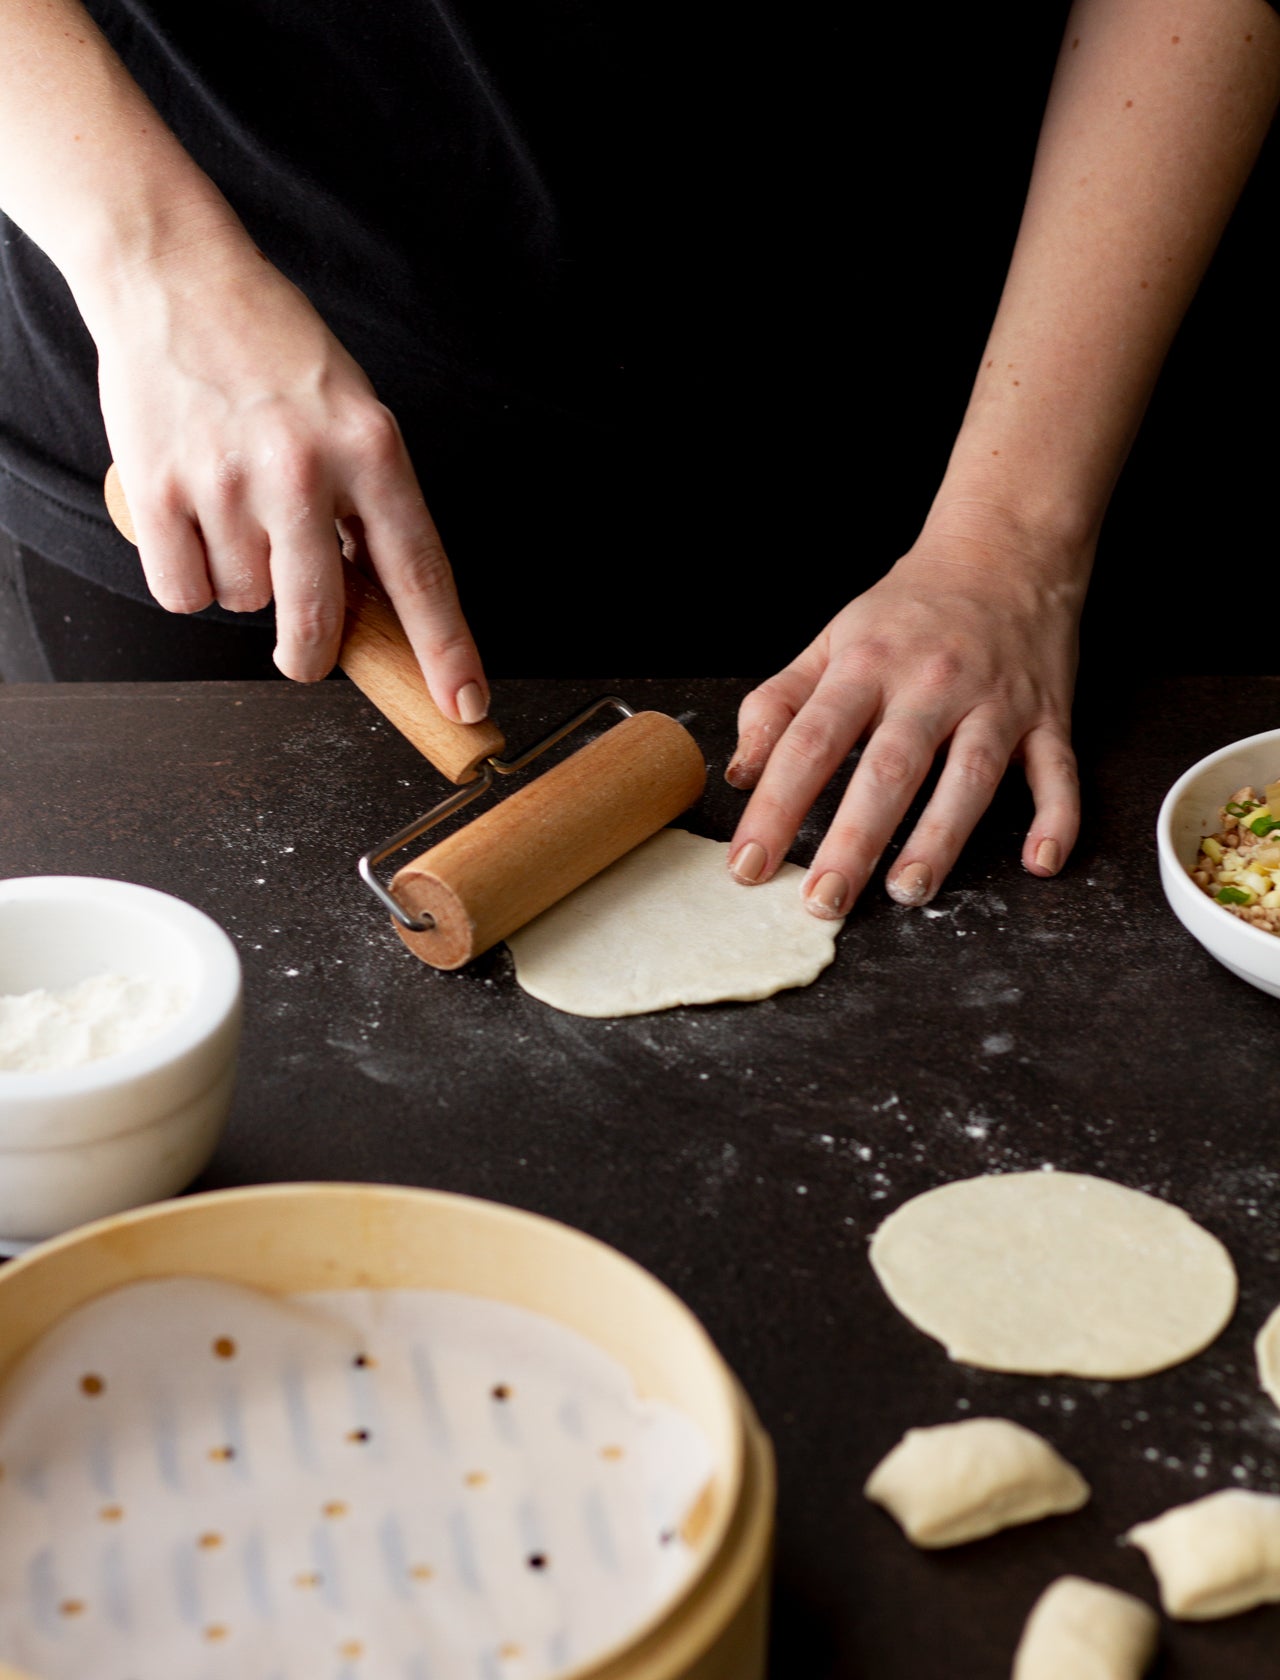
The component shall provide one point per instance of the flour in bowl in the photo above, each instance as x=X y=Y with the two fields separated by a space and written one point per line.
x=105 y=1015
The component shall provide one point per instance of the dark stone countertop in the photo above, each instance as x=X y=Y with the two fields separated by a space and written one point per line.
x=745 y=1153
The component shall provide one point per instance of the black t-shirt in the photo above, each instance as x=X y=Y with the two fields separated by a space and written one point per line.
x=557 y=238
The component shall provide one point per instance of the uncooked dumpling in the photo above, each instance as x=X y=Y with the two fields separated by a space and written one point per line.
x=961 y=1481
x=1055 y=1273
x=666 y=925
x=1216 y=1556
x=1081 y=1630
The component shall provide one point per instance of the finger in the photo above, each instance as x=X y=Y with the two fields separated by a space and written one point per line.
x=418 y=578
x=763 y=718
x=801 y=764
x=237 y=552
x=306 y=579
x=240 y=571
x=1054 y=780
x=976 y=762
x=408 y=556
x=171 y=551
x=894 y=763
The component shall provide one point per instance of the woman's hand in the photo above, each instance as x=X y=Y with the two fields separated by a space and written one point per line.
x=964 y=644
x=242 y=431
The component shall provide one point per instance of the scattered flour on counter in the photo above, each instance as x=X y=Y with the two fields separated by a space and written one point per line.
x=105 y=1015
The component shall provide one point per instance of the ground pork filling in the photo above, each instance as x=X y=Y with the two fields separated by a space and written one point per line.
x=1239 y=866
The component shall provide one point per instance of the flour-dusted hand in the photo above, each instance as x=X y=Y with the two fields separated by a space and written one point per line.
x=242 y=430
x=956 y=647
x=1152 y=125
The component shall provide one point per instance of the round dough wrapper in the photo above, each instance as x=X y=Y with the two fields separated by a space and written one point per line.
x=1052 y=1273
x=667 y=924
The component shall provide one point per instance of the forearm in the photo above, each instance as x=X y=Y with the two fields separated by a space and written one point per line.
x=1157 y=112
x=88 y=169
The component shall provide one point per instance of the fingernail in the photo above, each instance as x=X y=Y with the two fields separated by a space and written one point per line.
x=471 y=703
x=1049 y=856
x=828 y=895
x=747 y=863
x=911 y=885
x=736 y=774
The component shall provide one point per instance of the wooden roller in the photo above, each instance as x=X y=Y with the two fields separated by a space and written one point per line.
x=529 y=850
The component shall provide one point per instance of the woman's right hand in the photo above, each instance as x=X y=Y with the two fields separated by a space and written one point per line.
x=242 y=432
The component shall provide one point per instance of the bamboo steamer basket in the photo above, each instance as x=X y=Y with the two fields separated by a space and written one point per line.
x=293 y=1238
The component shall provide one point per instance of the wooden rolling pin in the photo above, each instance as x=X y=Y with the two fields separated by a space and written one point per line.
x=526 y=852
x=529 y=850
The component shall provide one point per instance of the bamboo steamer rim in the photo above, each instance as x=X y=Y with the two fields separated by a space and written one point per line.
x=56 y=1276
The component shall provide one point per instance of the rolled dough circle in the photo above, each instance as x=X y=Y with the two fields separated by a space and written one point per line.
x=1053 y=1273
x=667 y=924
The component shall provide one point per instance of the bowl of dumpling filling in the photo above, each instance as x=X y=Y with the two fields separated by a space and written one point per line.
x=1218 y=838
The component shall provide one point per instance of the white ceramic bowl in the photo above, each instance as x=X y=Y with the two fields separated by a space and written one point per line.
x=133 y=1127
x=1189 y=812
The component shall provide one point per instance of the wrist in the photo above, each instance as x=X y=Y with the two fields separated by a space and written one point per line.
x=190 y=240
x=978 y=524
x=1020 y=477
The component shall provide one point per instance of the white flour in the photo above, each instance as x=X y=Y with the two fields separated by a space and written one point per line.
x=48 y=1032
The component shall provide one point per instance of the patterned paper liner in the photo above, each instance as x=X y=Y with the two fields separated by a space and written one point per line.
x=198 y=1479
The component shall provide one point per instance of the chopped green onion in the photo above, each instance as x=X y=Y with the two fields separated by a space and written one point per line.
x=1233 y=895
x=1237 y=809
x=1264 y=825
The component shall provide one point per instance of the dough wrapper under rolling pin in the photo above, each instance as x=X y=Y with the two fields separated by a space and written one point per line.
x=528 y=851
